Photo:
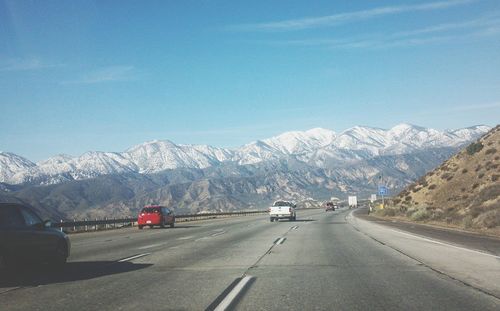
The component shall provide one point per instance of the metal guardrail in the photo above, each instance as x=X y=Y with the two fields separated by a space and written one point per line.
x=115 y=223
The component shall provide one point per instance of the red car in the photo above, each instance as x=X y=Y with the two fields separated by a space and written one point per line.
x=155 y=215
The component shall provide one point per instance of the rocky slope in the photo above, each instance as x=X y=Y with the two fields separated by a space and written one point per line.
x=463 y=192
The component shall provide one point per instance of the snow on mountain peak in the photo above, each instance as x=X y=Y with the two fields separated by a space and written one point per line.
x=316 y=146
x=301 y=141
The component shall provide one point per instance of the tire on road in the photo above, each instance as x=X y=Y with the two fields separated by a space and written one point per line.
x=3 y=260
x=60 y=255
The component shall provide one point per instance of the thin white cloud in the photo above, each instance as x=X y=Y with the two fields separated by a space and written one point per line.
x=342 y=18
x=106 y=74
x=441 y=33
x=475 y=23
x=26 y=64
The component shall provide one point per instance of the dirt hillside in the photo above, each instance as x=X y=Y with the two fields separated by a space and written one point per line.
x=463 y=192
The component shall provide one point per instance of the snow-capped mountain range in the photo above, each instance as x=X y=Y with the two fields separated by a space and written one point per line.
x=318 y=147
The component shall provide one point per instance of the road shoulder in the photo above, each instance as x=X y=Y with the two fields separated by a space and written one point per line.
x=471 y=240
x=477 y=269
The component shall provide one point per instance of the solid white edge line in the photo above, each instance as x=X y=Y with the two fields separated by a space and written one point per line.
x=150 y=246
x=434 y=241
x=218 y=233
x=185 y=237
x=226 y=302
x=446 y=244
x=133 y=257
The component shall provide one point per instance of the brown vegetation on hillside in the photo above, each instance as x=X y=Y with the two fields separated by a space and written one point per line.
x=463 y=192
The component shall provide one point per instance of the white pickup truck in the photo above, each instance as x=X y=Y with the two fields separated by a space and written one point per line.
x=282 y=210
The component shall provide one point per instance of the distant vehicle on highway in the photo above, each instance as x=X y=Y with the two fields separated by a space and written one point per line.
x=353 y=201
x=330 y=206
x=24 y=237
x=282 y=210
x=155 y=215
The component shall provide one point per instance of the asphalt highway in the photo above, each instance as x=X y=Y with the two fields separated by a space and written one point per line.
x=322 y=261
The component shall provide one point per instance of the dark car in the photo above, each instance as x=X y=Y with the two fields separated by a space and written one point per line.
x=25 y=237
x=330 y=207
x=155 y=215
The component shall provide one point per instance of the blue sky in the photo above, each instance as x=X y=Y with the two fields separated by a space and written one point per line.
x=105 y=75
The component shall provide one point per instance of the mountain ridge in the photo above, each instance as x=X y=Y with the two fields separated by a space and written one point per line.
x=318 y=147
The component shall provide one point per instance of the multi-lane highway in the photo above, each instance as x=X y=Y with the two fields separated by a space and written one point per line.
x=322 y=261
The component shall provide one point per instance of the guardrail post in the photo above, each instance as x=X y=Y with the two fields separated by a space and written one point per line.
x=106 y=224
x=95 y=227
x=86 y=225
x=61 y=226
x=74 y=227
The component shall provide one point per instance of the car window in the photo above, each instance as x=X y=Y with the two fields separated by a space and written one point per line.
x=10 y=217
x=30 y=218
x=281 y=203
x=150 y=210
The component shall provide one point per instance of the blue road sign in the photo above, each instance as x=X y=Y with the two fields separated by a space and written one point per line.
x=382 y=190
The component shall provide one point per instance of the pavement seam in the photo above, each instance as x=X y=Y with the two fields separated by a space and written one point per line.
x=227 y=291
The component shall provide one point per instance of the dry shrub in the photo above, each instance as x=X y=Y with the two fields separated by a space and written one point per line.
x=476 y=211
x=489 y=220
x=410 y=211
x=419 y=215
x=464 y=171
x=433 y=186
x=474 y=147
x=491 y=151
x=489 y=193
x=467 y=222
x=494 y=177
x=437 y=214
x=447 y=176
x=387 y=212
x=408 y=198
x=481 y=175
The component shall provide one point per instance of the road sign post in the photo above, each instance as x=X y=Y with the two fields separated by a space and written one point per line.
x=383 y=191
